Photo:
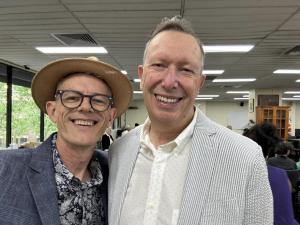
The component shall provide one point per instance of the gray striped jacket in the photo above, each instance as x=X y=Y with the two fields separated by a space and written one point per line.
x=226 y=183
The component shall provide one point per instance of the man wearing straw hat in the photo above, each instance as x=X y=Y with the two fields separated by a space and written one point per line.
x=64 y=180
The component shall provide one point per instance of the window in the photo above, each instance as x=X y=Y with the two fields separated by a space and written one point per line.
x=3 y=88
x=25 y=116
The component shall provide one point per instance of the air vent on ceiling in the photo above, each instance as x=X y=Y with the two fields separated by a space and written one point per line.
x=75 y=39
x=295 y=51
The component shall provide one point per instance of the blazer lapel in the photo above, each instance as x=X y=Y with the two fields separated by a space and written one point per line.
x=43 y=186
x=127 y=169
x=200 y=169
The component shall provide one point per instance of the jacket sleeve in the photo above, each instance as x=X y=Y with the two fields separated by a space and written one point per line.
x=259 y=199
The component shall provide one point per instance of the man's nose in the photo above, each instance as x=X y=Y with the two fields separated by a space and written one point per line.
x=85 y=104
x=170 y=79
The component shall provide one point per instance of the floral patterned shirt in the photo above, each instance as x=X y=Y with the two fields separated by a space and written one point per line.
x=79 y=203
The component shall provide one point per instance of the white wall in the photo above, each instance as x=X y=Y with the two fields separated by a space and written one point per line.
x=217 y=111
x=136 y=115
x=294 y=115
x=220 y=112
x=228 y=113
x=297 y=114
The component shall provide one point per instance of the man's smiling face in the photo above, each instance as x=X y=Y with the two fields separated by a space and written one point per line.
x=81 y=126
x=171 y=77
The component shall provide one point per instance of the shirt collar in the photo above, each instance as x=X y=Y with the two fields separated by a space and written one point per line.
x=180 y=140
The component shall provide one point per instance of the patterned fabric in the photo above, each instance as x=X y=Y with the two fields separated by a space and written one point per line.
x=79 y=203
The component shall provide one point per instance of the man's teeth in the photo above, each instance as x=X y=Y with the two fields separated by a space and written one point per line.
x=84 y=122
x=166 y=100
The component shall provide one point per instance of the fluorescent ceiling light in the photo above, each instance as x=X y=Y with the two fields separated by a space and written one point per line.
x=292 y=92
x=296 y=96
x=234 y=80
x=124 y=72
x=241 y=98
x=207 y=96
x=137 y=80
x=207 y=72
x=246 y=96
x=287 y=71
x=227 y=48
x=72 y=50
x=203 y=98
x=291 y=99
x=237 y=92
x=298 y=80
x=137 y=92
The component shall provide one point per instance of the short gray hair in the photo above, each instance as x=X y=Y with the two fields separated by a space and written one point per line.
x=176 y=23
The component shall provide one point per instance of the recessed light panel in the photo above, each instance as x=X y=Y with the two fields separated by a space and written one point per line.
x=237 y=92
x=291 y=99
x=207 y=96
x=292 y=92
x=227 y=48
x=286 y=71
x=241 y=98
x=72 y=50
x=215 y=72
x=234 y=80
x=203 y=98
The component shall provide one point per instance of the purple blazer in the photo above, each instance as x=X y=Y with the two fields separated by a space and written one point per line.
x=283 y=208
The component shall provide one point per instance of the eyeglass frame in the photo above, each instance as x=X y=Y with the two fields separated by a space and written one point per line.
x=61 y=92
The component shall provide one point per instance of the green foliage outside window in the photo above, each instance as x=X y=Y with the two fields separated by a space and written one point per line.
x=25 y=116
x=2 y=114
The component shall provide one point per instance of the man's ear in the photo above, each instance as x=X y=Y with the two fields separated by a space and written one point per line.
x=112 y=116
x=51 y=110
x=140 y=73
x=201 y=81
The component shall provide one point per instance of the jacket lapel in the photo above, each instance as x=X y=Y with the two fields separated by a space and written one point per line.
x=200 y=169
x=42 y=183
x=127 y=168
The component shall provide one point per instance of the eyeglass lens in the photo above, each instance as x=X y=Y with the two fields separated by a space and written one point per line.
x=73 y=99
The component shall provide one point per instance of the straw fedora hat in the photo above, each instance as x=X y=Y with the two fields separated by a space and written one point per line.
x=45 y=81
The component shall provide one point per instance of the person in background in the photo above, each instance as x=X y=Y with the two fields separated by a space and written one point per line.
x=106 y=139
x=265 y=135
x=281 y=159
x=179 y=167
x=64 y=180
x=119 y=133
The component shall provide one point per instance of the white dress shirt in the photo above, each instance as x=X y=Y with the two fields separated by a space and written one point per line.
x=155 y=189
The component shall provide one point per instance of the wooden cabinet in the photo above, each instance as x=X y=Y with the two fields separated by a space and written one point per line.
x=278 y=115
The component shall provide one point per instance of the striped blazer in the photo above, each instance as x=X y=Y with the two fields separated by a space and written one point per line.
x=226 y=181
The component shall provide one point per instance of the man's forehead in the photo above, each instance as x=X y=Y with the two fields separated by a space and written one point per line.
x=163 y=41
x=171 y=34
x=166 y=38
